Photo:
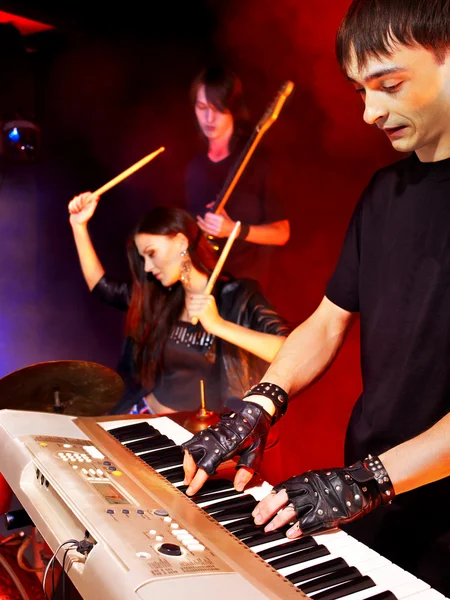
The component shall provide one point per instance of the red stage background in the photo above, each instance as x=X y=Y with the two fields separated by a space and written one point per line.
x=110 y=91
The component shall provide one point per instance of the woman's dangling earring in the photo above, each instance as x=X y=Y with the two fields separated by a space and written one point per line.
x=185 y=267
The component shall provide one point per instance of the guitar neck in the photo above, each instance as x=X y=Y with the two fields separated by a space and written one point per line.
x=236 y=172
x=268 y=118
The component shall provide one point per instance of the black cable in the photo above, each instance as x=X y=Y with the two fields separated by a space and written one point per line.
x=63 y=575
x=53 y=579
x=51 y=562
x=82 y=546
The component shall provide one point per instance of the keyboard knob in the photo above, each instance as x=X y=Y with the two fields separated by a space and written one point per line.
x=170 y=549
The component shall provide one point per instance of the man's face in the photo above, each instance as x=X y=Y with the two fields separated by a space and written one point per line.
x=407 y=95
x=213 y=123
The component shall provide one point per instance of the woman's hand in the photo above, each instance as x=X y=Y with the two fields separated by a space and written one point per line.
x=82 y=207
x=205 y=309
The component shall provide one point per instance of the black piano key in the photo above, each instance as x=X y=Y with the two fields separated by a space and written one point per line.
x=211 y=485
x=169 y=461
x=303 y=542
x=249 y=531
x=344 y=589
x=264 y=538
x=245 y=501
x=383 y=596
x=300 y=556
x=239 y=524
x=160 y=455
x=200 y=498
x=344 y=575
x=149 y=443
x=174 y=474
x=130 y=432
x=225 y=515
x=321 y=569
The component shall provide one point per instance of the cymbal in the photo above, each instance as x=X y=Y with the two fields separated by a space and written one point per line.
x=71 y=387
x=191 y=421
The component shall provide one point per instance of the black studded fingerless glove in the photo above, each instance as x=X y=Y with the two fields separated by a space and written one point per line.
x=329 y=498
x=242 y=433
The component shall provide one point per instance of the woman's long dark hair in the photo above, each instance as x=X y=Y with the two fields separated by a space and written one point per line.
x=154 y=309
x=223 y=89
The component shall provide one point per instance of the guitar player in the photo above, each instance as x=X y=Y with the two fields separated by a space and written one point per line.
x=222 y=118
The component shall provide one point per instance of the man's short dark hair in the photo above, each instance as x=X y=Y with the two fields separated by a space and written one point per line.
x=371 y=28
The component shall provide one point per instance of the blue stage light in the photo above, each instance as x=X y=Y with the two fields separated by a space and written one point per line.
x=14 y=135
x=21 y=140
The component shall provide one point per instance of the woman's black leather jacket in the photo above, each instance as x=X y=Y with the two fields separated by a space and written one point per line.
x=240 y=301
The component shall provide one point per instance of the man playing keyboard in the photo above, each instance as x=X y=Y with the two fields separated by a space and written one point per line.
x=394 y=270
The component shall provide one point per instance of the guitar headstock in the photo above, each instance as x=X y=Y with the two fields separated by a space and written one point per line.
x=275 y=107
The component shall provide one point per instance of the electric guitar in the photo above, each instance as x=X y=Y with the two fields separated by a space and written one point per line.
x=267 y=120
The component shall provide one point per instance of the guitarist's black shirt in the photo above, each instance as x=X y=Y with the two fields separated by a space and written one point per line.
x=252 y=202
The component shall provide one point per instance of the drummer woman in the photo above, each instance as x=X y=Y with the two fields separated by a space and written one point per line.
x=165 y=356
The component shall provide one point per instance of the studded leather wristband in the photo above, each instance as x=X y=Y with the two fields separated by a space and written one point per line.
x=275 y=393
x=376 y=467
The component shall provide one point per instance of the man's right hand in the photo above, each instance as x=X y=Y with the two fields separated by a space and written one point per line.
x=82 y=207
x=242 y=433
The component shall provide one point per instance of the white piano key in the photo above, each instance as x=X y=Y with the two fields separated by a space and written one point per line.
x=393 y=575
x=408 y=589
x=429 y=595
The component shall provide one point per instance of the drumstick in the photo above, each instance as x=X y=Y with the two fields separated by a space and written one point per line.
x=124 y=174
x=218 y=268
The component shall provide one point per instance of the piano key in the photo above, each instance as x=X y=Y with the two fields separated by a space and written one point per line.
x=392 y=578
x=333 y=541
x=255 y=540
x=399 y=581
x=173 y=474
x=384 y=596
x=235 y=525
x=367 y=560
x=149 y=444
x=428 y=595
x=344 y=589
x=135 y=431
x=303 y=542
x=159 y=455
x=308 y=573
x=212 y=486
x=246 y=501
x=227 y=516
x=248 y=531
x=296 y=558
x=168 y=461
x=346 y=574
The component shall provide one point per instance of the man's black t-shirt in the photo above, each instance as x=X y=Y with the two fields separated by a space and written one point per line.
x=251 y=202
x=394 y=270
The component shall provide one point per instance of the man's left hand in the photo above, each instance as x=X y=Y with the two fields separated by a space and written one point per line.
x=325 y=499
